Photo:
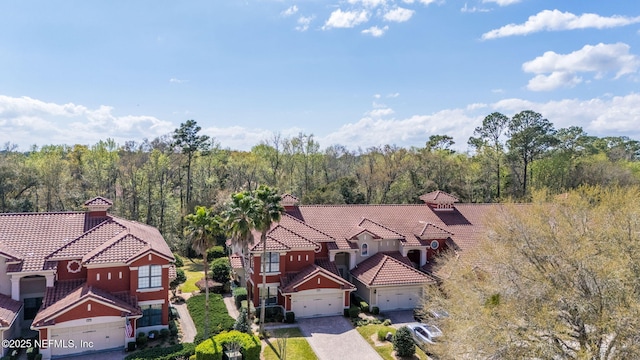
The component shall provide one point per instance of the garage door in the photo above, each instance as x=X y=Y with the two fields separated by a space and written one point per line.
x=398 y=299
x=87 y=338
x=317 y=305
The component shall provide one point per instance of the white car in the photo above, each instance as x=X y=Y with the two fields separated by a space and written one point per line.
x=424 y=334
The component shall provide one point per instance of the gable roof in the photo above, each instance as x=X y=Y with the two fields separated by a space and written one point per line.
x=389 y=269
x=39 y=240
x=376 y=229
x=9 y=310
x=293 y=281
x=439 y=197
x=288 y=200
x=98 y=201
x=71 y=293
x=428 y=231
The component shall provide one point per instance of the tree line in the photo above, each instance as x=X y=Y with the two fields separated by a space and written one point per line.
x=161 y=180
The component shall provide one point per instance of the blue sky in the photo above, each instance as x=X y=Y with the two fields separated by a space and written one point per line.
x=356 y=72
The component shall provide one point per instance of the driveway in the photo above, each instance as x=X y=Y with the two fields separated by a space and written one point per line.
x=335 y=338
x=399 y=318
x=105 y=355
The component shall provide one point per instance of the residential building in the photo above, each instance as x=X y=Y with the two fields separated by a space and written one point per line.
x=84 y=281
x=317 y=255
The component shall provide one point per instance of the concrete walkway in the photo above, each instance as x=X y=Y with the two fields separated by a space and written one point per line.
x=186 y=323
x=335 y=338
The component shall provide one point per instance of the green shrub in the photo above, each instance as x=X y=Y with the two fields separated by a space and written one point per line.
x=375 y=310
x=289 y=317
x=38 y=357
x=183 y=350
x=386 y=322
x=173 y=328
x=154 y=334
x=216 y=252
x=179 y=263
x=354 y=311
x=239 y=294
x=250 y=344
x=220 y=270
x=242 y=324
x=345 y=312
x=219 y=319
x=382 y=332
x=31 y=353
x=164 y=334
x=131 y=346
x=403 y=342
x=141 y=339
x=364 y=307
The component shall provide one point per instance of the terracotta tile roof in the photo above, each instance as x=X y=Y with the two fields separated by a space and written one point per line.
x=98 y=201
x=40 y=239
x=428 y=231
x=305 y=230
x=66 y=294
x=466 y=222
x=378 y=230
x=272 y=245
x=9 y=309
x=439 y=197
x=35 y=235
x=236 y=261
x=290 y=283
x=288 y=200
x=389 y=269
x=122 y=250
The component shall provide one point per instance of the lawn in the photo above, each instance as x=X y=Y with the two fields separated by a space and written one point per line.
x=194 y=271
x=297 y=346
x=385 y=349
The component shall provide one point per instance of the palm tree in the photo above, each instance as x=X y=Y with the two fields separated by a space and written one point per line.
x=256 y=210
x=269 y=211
x=202 y=228
x=238 y=221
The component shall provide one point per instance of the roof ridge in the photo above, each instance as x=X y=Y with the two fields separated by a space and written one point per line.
x=43 y=213
x=93 y=229
x=109 y=244
x=381 y=225
x=294 y=233
x=380 y=265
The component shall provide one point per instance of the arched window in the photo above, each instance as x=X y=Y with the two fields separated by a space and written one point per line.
x=365 y=250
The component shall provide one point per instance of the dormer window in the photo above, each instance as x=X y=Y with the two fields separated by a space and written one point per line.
x=364 y=250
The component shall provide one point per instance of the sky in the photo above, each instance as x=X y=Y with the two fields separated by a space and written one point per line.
x=359 y=73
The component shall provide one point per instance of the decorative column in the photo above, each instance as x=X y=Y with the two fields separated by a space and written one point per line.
x=423 y=257
x=50 y=278
x=352 y=260
x=15 y=287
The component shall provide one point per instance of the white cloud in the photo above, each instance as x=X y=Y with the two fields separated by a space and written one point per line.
x=398 y=15
x=393 y=95
x=290 y=11
x=177 y=81
x=426 y=2
x=555 y=20
x=26 y=121
x=377 y=113
x=346 y=19
x=408 y=1
x=369 y=3
x=562 y=69
x=304 y=22
x=467 y=9
x=502 y=2
x=375 y=31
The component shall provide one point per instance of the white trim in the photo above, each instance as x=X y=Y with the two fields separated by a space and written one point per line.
x=272 y=273
x=82 y=322
x=65 y=310
x=269 y=284
x=149 y=252
x=146 y=290
x=104 y=265
x=151 y=302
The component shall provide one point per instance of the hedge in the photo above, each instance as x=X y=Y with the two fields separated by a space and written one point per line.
x=166 y=353
x=219 y=319
x=215 y=253
x=213 y=348
x=239 y=294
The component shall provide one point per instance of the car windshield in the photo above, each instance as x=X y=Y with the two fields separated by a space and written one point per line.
x=422 y=332
x=432 y=329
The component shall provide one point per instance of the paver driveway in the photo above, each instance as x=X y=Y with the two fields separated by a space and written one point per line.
x=335 y=338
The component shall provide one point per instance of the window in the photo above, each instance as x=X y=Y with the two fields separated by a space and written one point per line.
x=365 y=250
x=151 y=315
x=31 y=307
x=272 y=262
x=149 y=276
x=271 y=294
x=435 y=244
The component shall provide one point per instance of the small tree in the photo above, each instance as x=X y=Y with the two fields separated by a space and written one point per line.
x=220 y=269
x=242 y=324
x=180 y=278
x=403 y=342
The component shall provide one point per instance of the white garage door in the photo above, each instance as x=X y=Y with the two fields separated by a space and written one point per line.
x=317 y=304
x=398 y=299
x=87 y=338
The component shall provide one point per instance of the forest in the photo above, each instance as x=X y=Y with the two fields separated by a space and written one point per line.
x=159 y=181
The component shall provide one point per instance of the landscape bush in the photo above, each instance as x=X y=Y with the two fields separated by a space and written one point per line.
x=364 y=306
x=375 y=310
x=354 y=311
x=382 y=332
x=213 y=348
x=216 y=252
x=239 y=294
x=242 y=323
x=403 y=342
x=219 y=319
x=178 y=262
x=177 y=351
x=141 y=340
x=289 y=317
